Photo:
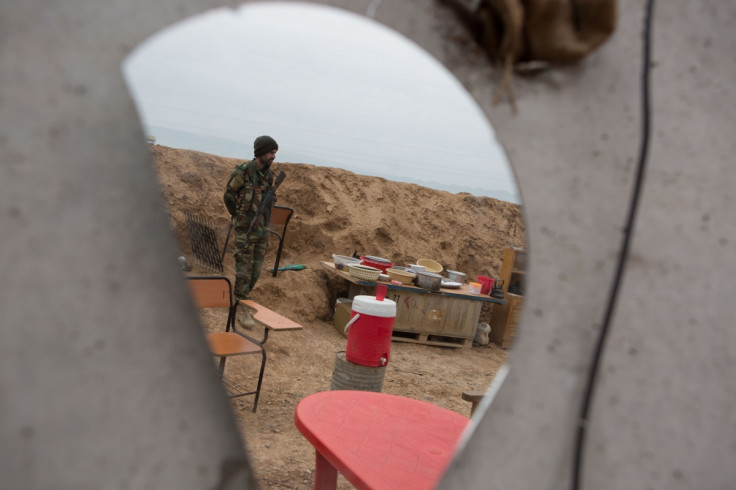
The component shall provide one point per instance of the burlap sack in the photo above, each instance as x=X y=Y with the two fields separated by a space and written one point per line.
x=553 y=31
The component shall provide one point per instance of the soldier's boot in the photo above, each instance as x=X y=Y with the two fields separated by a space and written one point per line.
x=245 y=319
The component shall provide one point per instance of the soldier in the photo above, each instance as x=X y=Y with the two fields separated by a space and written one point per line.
x=248 y=183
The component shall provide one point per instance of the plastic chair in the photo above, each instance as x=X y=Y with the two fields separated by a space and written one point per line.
x=216 y=292
x=280 y=217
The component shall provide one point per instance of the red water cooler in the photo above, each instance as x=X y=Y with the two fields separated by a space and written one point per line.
x=369 y=331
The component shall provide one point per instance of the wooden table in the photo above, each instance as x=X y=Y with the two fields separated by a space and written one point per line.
x=448 y=317
x=377 y=440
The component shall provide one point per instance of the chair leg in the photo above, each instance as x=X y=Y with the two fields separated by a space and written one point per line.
x=260 y=379
x=278 y=256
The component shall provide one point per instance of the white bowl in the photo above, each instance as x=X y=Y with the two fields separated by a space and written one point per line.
x=342 y=261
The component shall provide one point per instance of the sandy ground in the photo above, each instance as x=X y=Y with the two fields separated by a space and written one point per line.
x=340 y=212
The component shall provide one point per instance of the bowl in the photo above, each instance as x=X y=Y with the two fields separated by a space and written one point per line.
x=377 y=262
x=404 y=277
x=430 y=265
x=429 y=280
x=455 y=276
x=341 y=261
x=364 y=272
x=416 y=268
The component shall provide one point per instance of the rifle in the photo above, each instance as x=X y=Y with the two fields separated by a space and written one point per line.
x=265 y=205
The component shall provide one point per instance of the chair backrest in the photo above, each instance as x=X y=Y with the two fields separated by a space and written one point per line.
x=211 y=291
x=280 y=215
x=203 y=240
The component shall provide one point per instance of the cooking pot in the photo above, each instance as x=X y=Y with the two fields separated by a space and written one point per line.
x=455 y=276
x=429 y=280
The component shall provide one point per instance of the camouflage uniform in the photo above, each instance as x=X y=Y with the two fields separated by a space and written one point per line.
x=245 y=189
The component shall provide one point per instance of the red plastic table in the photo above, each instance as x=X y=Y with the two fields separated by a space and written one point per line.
x=377 y=440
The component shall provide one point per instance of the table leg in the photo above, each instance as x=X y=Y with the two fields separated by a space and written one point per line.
x=325 y=475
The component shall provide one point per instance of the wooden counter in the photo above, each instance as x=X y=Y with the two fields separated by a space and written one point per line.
x=448 y=317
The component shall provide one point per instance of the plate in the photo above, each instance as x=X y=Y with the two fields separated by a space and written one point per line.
x=377 y=259
x=451 y=284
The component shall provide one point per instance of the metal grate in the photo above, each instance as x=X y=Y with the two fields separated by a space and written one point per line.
x=204 y=242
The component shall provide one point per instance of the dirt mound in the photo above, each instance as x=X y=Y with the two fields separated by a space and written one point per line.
x=337 y=211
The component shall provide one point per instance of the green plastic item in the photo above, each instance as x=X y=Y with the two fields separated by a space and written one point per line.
x=292 y=267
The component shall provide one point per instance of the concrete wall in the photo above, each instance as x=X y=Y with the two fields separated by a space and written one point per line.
x=96 y=392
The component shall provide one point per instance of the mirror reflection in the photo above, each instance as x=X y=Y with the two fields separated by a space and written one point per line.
x=389 y=166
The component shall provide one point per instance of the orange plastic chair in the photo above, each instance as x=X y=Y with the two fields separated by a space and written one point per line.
x=216 y=292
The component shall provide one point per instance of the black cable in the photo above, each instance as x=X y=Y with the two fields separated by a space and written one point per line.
x=643 y=151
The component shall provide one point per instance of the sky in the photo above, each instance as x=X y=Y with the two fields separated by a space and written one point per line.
x=333 y=88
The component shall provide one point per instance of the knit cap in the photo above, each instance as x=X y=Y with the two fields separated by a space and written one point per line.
x=264 y=144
